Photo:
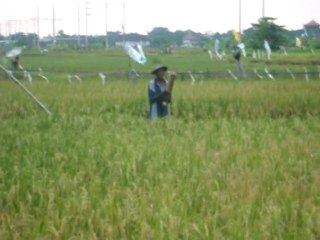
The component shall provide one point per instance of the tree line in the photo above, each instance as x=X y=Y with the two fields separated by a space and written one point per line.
x=161 y=37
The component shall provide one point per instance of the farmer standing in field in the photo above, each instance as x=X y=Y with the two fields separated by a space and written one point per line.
x=237 y=56
x=159 y=92
x=16 y=63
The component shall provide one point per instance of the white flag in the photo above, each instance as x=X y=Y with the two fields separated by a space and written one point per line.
x=14 y=52
x=254 y=55
x=217 y=49
x=217 y=45
x=268 y=49
x=210 y=54
x=136 y=55
x=243 y=49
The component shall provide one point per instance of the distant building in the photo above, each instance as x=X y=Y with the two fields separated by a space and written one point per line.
x=133 y=39
x=68 y=41
x=5 y=42
x=312 y=29
x=190 y=40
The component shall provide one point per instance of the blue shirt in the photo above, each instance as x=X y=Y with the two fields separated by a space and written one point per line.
x=158 y=107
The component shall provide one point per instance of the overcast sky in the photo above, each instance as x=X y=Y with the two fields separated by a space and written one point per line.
x=142 y=15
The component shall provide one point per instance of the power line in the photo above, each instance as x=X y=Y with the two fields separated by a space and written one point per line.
x=54 y=20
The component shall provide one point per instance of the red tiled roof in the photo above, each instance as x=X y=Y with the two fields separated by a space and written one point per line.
x=312 y=23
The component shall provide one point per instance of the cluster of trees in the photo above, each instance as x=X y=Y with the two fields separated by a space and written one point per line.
x=265 y=29
x=162 y=37
x=159 y=37
x=22 y=39
x=276 y=35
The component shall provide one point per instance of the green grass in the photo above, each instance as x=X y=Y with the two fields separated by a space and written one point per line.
x=237 y=160
x=114 y=60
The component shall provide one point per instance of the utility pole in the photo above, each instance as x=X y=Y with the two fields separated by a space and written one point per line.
x=240 y=18
x=54 y=20
x=14 y=27
x=9 y=27
x=20 y=25
x=54 y=26
x=107 y=41
x=87 y=15
x=124 y=21
x=263 y=8
x=38 y=26
x=26 y=26
x=124 y=14
x=79 y=38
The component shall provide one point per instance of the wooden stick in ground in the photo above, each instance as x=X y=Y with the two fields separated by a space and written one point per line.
x=172 y=78
x=26 y=90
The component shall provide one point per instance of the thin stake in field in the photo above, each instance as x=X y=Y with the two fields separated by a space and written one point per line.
x=254 y=55
x=217 y=50
x=26 y=90
x=306 y=74
x=40 y=74
x=78 y=78
x=291 y=74
x=193 y=80
x=202 y=78
x=210 y=54
x=268 y=49
x=27 y=76
x=232 y=75
x=269 y=74
x=103 y=78
x=133 y=75
x=258 y=75
x=284 y=50
x=43 y=77
x=69 y=77
x=259 y=55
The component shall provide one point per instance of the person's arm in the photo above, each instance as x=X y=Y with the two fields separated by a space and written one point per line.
x=158 y=97
x=166 y=97
x=162 y=97
x=153 y=96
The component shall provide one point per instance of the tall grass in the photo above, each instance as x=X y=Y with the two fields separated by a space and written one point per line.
x=237 y=160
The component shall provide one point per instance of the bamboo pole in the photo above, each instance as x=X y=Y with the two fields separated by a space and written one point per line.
x=42 y=106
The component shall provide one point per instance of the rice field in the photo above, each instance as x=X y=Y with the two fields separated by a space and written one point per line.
x=236 y=160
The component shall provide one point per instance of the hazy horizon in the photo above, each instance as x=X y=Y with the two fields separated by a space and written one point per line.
x=141 y=16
